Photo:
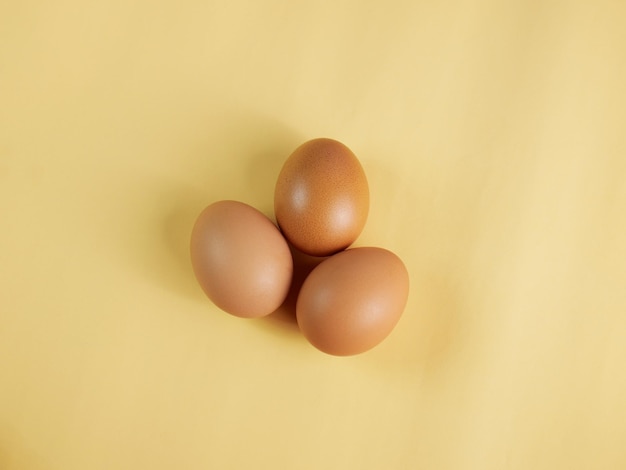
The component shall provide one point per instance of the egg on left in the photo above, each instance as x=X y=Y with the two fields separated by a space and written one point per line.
x=240 y=259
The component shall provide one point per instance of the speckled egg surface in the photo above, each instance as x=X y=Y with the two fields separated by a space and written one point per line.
x=321 y=199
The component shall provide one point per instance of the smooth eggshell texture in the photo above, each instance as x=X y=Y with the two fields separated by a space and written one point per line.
x=353 y=300
x=240 y=259
x=321 y=198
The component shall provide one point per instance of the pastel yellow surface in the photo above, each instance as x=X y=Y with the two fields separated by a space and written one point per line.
x=494 y=138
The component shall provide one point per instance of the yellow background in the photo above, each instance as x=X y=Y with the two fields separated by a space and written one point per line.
x=493 y=135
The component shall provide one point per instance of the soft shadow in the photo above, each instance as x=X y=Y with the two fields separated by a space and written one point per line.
x=264 y=165
x=176 y=231
x=14 y=454
x=285 y=316
x=165 y=216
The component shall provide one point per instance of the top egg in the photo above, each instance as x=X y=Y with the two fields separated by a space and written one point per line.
x=321 y=199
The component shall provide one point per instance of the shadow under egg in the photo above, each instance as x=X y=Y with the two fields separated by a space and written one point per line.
x=303 y=264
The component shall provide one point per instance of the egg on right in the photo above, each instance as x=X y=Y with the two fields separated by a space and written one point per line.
x=352 y=301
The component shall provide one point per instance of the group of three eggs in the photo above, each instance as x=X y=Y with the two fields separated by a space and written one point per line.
x=351 y=300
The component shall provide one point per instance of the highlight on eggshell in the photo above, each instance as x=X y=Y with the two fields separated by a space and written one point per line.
x=321 y=199
x=352 y=301
x=240 y=259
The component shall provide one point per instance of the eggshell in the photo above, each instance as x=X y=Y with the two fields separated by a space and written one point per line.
x=353 y=300
x=240 y=259
x=321 y=198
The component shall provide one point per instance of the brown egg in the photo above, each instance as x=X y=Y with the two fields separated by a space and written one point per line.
x=321 y=198
x=240 y=259
x=352 y=300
